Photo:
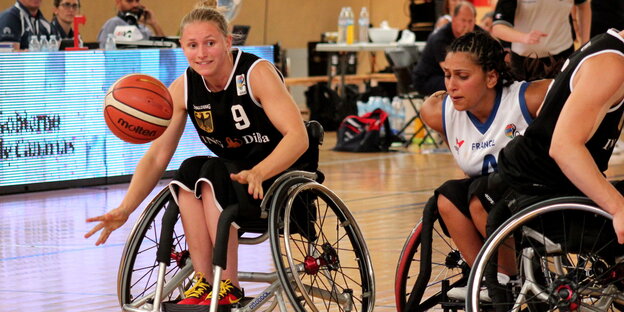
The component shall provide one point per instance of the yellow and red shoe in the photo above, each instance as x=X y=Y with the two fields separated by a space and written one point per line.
x=199 y=292
x=228 y=294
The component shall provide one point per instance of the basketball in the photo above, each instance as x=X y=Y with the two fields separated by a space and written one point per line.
x=138 y=108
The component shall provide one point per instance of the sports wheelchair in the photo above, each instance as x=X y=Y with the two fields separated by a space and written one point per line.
x=566 y=259
x=320 y=257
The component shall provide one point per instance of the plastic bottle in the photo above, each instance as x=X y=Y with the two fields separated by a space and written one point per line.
x=350 y=22
x=54 y=43
x=342 y=26
x=33 y=44
x=110 y=42
x=44 y=44
x=363 y=22
x=395 y=118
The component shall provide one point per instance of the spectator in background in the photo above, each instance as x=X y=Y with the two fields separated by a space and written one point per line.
x=131 y=13
x=449 y=5
x=63 y=18
x=22 y=20
x=539 y=30
x=606 y=14
x=428 y=76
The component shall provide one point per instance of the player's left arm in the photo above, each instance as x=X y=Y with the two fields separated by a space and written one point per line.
x=535 y=94
x=581 y=115
x=268 y=89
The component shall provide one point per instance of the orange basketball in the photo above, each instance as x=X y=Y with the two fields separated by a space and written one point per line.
x=138 y=108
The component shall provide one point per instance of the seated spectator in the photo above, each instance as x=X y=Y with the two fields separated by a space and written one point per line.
x=64 y=12
x=23 y=20
x=449 y=5
x=428 y=76
x=131 y=13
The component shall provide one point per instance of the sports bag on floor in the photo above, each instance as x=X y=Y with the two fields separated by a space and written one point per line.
x=367 y=133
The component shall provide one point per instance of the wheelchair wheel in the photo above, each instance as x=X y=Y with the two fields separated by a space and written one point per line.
x=138 y=270
x=320 y=254
x=422 y=291
x=566 y=259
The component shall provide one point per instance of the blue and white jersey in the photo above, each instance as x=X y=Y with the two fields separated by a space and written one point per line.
x=475 y=145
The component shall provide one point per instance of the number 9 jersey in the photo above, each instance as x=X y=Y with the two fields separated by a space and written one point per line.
x=231 y=122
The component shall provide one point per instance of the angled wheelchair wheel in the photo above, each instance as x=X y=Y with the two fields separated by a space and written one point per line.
x=420 y=278
x=565 y=255
x=320 y=254
x=138 y=270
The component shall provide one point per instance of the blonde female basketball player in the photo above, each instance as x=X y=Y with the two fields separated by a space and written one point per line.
x=244 y=114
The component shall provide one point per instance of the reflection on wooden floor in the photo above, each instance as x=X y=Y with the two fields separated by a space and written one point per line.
x=46 y=265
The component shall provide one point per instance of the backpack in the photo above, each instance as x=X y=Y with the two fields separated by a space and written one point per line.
x=327 y=107
x=367 y=133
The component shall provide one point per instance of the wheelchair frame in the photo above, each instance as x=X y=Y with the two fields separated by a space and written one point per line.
x=557 y=270
x=599 y=296
x=284 y=191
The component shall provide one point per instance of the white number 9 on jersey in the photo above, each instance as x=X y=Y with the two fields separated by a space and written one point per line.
x=240 y=118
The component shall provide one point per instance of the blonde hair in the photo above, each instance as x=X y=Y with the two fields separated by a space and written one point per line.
x=206 y=11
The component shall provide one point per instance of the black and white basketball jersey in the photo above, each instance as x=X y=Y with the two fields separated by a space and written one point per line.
x=231 y=123
x=475 y=145
x=525 y=163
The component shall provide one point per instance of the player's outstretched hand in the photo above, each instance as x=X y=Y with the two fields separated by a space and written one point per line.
x=254 y=181
x=109 y=222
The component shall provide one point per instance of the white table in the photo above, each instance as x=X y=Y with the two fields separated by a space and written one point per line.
x=365 y=46
x=342 y=48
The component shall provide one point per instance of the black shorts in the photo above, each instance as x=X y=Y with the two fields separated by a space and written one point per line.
x=216 y=172
x=459 y=192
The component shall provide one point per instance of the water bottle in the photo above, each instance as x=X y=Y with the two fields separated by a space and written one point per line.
x=350 y=21
x=80 y=42
x=342 y=26
x=110 y=42
x=54 y=43
x=33 y=44
x=395 y=118
x=363 y=22
x=44 y=45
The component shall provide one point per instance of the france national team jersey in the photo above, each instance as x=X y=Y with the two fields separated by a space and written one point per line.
x=475 y=145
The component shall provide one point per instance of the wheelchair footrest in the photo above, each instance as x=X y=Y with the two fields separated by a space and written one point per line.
x=172 y=306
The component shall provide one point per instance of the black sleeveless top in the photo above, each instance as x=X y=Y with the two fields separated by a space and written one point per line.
x=525 y=162
x=231 y=123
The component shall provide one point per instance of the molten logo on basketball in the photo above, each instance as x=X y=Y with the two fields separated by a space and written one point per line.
x=137 y=129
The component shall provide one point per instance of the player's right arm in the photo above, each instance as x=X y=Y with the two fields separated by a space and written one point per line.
x=431 y=112
x=149 y=170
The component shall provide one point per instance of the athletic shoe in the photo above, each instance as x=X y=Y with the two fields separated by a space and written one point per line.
x=199 y=292
x=228 y=294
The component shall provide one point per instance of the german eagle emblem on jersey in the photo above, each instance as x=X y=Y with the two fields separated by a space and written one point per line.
x=204 y=120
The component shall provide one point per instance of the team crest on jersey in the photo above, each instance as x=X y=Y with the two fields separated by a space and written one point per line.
x=241 y=85
x=204 y=120
x=511 y=131
x=458 y=144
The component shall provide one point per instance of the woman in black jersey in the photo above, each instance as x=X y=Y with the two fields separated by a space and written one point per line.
x=244 y=114
x=566 y=150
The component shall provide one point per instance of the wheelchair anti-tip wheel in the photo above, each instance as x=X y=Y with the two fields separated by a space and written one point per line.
x=138 y=269
x=565 y=255
x=320 y=254
x=420 y=278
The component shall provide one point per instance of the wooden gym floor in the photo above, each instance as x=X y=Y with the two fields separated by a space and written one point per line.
x=46 y=265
